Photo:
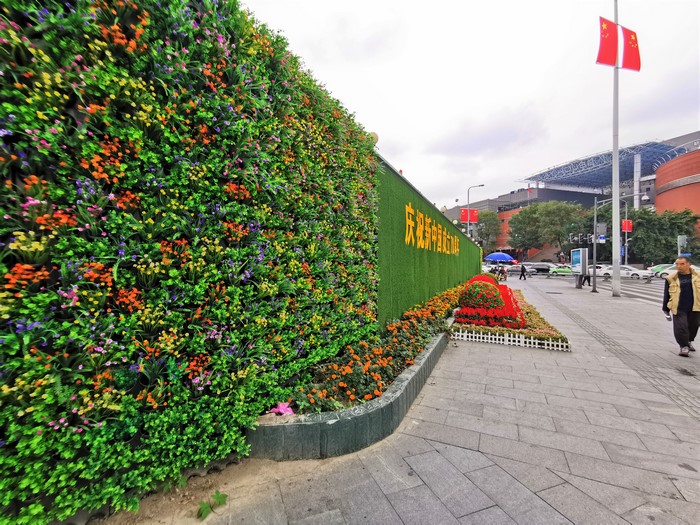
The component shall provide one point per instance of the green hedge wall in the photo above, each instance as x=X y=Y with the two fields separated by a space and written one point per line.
x=188 y=225
x=415 y=263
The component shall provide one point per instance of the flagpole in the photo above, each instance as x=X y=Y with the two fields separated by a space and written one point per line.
x=615 y=180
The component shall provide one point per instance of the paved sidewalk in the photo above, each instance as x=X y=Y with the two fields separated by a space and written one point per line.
x=608 y=433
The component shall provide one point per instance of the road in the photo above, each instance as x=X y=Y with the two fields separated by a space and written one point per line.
x=639 y=289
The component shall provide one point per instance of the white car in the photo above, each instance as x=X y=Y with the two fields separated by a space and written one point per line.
x=668 y=271
x=627 y=271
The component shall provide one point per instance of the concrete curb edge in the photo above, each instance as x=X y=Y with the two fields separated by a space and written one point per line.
x=328 y=434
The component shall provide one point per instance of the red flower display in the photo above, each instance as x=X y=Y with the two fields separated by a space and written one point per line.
x=509 y=315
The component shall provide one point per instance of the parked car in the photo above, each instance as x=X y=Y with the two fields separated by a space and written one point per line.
x=660 y=267
x=515 y=269
x=598 y=268
x=540 y=267
x=561 y=270
x=668 y=271
x=627 y=271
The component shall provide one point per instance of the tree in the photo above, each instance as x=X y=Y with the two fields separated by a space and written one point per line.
x=524 y=229
x=546 y=223
x=487 y=229
x=655 y=235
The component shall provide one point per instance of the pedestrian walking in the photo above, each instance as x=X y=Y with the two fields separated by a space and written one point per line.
x=523 y=274
x=682 y=299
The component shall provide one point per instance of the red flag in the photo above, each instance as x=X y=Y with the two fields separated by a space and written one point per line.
x=627 y=225
x=630 y=54
x=473 y=216
x=607 y=52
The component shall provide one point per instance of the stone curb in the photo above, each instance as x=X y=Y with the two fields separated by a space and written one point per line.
x=328 y=434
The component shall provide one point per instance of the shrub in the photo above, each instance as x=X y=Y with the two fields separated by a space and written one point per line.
x=188 y=225
x=508 y=315
x=481 y=294
x=484 y=277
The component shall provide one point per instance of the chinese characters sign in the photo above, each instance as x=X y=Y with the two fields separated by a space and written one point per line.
x=424 y=233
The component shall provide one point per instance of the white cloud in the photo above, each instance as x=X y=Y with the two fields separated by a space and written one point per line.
x=464 y=93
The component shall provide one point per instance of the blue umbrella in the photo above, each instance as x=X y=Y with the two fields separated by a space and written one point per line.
x=498 y=256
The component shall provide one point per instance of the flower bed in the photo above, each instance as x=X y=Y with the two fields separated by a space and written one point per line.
x=188 y=225
x=363 y=372
x=533 y=331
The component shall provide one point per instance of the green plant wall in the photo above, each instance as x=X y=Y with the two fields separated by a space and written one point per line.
x=187 y=225
x=421 y=253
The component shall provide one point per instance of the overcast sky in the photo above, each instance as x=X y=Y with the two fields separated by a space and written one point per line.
x=493 y=91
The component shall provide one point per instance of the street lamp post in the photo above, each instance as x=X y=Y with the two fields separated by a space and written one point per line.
x=469 y=210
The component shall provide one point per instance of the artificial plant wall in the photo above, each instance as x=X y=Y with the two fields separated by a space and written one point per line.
x=188 y=222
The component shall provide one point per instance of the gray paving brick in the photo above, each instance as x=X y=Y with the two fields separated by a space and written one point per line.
x=514 y=393
x=525 y=452
x=621 y=475
x=491 y=516
x=564 y=442
x=573 y=414
x=580 y=403
x=513 y=498
x=430 y=389
x=458 y=385
x=686 y=511
x=389 y=470
x=463 y=459
x=405 y=444
x=447 y=370
x=670 y=407
x=484 y=380
x=634 y=377
x=599 y=433
x=635 y=394
x=689 y=488
x=418 y=506
x=427 y=413
x=534 y=477
x=672 y=447
x=473 y=409
x=631 y=425
x=513 y=376
x=617 y=499
x=545 y=389
x=685 y=434
x=486 y=399
x=331 y=517
x=649 y=513
x=566 y=383
x=676 y=466
x=611 y=399
x=520 y=418
x=485 y=426
x=453 y=489
x=578 y=506
x=442 y=434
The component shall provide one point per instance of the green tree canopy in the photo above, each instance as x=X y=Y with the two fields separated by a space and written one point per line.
x=487 y=229
x=545 y=223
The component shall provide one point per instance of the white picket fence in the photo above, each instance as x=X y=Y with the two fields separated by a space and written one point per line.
x=460 y=334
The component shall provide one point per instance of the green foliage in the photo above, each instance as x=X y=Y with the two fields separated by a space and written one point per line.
x=488 y=229
x=207 y=507
x=654 y=236
x=189 y=224
x=545 y=223
x=524 y=229
x=481 y=294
